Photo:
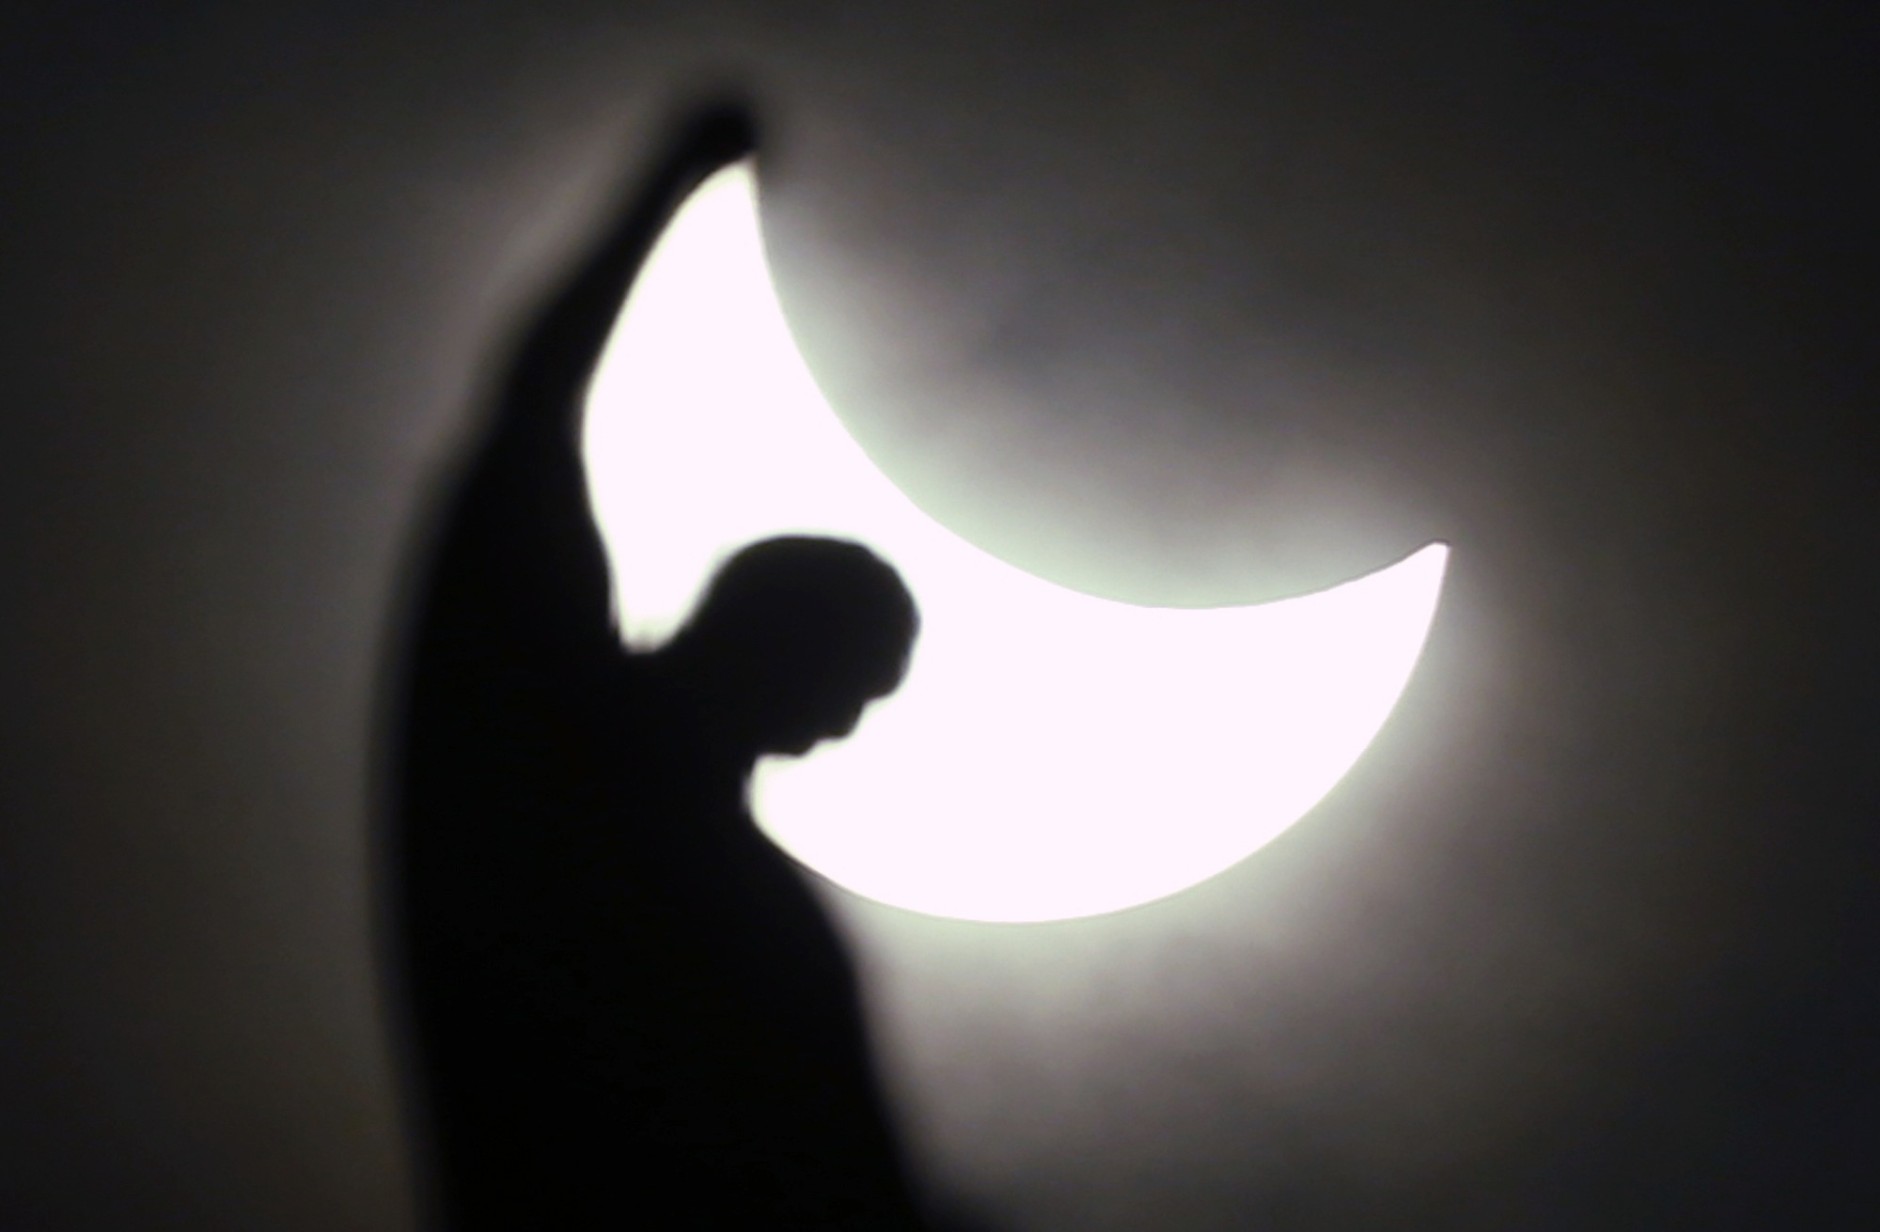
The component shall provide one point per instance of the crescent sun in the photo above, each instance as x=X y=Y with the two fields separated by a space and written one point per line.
x=1051 y=754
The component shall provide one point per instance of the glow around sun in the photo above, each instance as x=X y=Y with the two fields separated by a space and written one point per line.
x=1051 y=754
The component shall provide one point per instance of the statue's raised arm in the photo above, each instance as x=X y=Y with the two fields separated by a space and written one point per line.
x=523 y=557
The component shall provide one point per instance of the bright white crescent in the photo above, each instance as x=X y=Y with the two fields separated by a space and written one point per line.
x=1051 y=754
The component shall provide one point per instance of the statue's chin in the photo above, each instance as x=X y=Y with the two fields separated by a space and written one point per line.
x=798 y=745
x=795 y=746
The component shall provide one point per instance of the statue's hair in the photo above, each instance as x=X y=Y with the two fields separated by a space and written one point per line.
x=801 y=591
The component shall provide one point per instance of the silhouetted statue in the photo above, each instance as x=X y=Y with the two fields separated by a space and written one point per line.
x=627 y=1007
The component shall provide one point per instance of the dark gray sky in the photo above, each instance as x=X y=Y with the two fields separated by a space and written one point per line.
x=1183 y=301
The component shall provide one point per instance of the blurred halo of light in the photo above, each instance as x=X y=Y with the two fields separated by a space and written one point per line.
x=1051 y=754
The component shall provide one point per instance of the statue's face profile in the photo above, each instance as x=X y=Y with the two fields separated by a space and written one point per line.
x=794 y=637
